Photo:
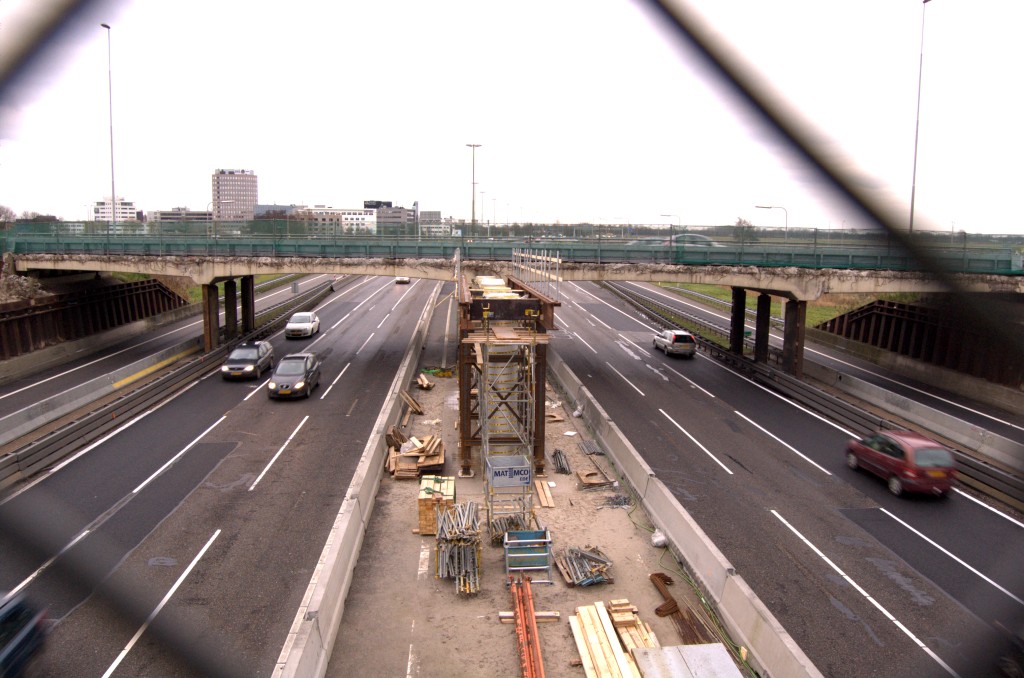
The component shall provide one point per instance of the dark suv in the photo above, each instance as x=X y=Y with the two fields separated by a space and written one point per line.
x=249 y=360
x=22 y=632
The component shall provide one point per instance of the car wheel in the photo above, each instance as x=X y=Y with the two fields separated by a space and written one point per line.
x=895 y=486
x=852 y=461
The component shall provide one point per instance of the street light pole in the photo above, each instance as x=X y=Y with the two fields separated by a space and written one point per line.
x=776 y=207
x=672 y=233
x=474 y=147
x=917 y=122
x=110 y=102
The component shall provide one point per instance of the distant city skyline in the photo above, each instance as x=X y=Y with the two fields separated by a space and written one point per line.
x=584 y=112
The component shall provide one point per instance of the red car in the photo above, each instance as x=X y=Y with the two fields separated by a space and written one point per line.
x=907 y=461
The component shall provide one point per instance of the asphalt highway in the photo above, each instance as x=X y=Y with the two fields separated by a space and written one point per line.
x=219 y=500
x=209 y=513
x=826 y=548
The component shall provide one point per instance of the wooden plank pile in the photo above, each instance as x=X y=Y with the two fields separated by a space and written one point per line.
x=605 y=636
x=424 y=383
x=436 y=493
x=544 y=494
x=409 y=457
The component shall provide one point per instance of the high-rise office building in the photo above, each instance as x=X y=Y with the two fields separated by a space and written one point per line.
x=235 y=195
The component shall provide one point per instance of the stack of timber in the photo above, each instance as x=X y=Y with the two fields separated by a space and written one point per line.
x=423 y=382
x=633 y=631
x=437 y=493
x=599 y=642
x=412 y=457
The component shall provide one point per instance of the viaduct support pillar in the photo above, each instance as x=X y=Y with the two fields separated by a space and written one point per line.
x=762 y=327
x=248 y=304
x=211 y=317
x=793 y=338
x=230 y=309
x=738 y=316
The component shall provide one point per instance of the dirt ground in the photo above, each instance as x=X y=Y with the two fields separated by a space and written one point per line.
x=434 y=631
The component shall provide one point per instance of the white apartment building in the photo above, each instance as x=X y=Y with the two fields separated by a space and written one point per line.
x=235 y=194
x=321 y=220
x=125 y=211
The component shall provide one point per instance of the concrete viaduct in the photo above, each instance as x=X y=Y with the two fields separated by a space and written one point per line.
x=794 y=284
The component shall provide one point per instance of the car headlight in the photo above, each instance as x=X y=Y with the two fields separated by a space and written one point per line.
x=271 y=386
x=299 y=385
x=225 y=368
x=248 y=368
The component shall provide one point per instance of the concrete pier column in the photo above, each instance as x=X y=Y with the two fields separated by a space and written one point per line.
x=738 y=316
x=230 y=309
x=762 y=327
x=248 y=304
x=793 y=338
x=211 y=318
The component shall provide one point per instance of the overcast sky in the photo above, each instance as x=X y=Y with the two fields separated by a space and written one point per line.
x=586 y=110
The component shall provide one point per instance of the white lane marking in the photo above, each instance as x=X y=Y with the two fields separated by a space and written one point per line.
x=405 y=294
x=993 y=510
x=335 y=381
x=371 y=295
x=383 y=320
x=695 y=442
x=628 y=350
x=28 y=580
x=878 y=375
x=782 y=398
x=278 y=454
x=692 y=382
x=365 y=343
x=636 y=320
x=864 y=593
x=784 y=444
x=654 y=369
x=160 y=606
x=945 y=551
x=638 y=347
x=424 y=564
x=585 y=342
x=175 y=458
x=257 y=389
x=559 y=320
x=624 y=378
x=412 y=666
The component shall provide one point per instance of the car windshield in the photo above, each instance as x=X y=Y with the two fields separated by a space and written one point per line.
x=290 y=368
x=243 y=354
x=300 y=318
x=933 y=457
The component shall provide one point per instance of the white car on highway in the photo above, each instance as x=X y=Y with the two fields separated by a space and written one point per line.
x=304 y=324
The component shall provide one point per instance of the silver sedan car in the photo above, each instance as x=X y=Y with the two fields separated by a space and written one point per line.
x=304 y=324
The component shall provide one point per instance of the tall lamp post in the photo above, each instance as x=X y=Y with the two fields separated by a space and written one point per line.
x=474 y=147
x=110 y=103
x=671 y=232
x=776 y=207
x=917 y=122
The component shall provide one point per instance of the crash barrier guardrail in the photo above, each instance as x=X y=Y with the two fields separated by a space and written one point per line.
x=978 y=445
x=57 y=445
x=669 y=318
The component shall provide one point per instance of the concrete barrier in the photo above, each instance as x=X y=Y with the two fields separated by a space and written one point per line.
x=38 y=414
x=974 y=438
x=307 y=649
x=772 y=650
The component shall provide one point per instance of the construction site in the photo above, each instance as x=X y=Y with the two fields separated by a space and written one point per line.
x=531 y=552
